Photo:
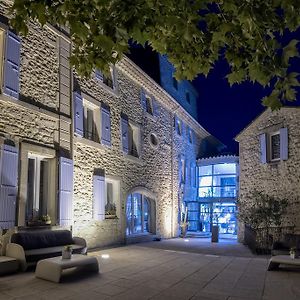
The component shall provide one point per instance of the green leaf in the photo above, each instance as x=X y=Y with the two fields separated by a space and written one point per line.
x=290 y=51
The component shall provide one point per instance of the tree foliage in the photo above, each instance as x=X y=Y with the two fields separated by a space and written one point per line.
x=193 y=34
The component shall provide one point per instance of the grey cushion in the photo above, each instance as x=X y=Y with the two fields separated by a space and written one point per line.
x=34 y=255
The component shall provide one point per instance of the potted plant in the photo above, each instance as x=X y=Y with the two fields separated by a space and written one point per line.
x=46 y=219
x=293 y=252
x=67 y=252
x=110 y=211
x=184 y=224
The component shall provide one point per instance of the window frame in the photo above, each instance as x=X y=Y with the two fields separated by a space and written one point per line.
x=96 y=109
x=270 y=147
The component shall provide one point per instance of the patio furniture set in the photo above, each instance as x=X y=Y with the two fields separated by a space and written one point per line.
x=281 y=252
x=44 y=249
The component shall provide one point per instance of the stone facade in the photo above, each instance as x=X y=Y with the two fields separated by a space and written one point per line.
x=279 y=178
x=41 y=123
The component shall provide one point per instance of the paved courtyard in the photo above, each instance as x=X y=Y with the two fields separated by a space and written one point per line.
x=147 y=272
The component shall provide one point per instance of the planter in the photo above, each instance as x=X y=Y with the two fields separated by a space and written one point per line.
x=66 y=254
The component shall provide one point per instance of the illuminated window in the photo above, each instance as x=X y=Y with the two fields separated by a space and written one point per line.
x=91 y=114
x=134 y=140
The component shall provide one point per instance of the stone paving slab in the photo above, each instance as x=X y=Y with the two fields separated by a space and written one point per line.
x=139 y=272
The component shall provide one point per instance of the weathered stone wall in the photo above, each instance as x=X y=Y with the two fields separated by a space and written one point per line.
x=38 y=86
x=156 y=170
x=280 y=179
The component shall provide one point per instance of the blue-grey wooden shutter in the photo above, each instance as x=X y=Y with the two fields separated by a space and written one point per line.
x=66 y=171
x=12 y=65
x=176 y=123
x=284 y=150
x=124 y=133
x=263 y=148
x=143 y=99
x=180 y=177
x=105 y=126
x=78 y=114
x=155 y=106
x=193 y=174
x=99 y=198
x=8 y=185
x=98 y=75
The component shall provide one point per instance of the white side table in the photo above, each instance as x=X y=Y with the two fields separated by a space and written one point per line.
x=8 y=265
x=51 y=268
x=276 y=260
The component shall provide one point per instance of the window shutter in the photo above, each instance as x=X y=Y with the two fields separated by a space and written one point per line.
x=99 y=197
x=180 y=169
x=284 y=150
x=143 y=100
x=176 y=123
x=78 y=114
x=155 y=106
x=65 y=191
x=124 y=132
x=12 y=65
x=193 y=174
x=98 y=75
x=263 y=148
x=8 y=185
x=105 y=126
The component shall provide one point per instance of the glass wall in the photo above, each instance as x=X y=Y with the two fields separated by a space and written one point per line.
x=217 y=181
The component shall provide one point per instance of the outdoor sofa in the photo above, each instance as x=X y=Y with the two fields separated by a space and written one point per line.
x=29 y=247
x=283 y=247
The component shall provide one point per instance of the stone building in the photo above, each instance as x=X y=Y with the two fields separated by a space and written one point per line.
x=107 y=156
x=270 y=160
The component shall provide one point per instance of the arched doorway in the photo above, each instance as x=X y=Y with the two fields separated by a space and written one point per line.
x=140 y=214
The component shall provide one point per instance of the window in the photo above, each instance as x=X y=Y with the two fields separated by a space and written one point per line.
x=275 y=146
x=39 y=189
x=138 y=214
x=175 y=83
x=91 y=114
x=178 y=125
x=153 y=140
x=112 y=189
x=134 y=140
x=187 y=97
x=190 y=135
x=107 y=79
x=218 y=181
x=149 y=105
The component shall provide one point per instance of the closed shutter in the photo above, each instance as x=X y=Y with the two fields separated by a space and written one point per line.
x=263 y=148
x=155 y=107
x=180 y=169
x=193 y=174
x=143 y=100
x=65 y=191
x=105 y=126
x=8 y=185
x=99 y=75
x=284 y=150
x=99 y=197
x=124 y=134
x=12 y=65
x=78 y=114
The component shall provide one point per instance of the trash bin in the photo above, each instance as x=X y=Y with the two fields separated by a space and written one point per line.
x=215 y=234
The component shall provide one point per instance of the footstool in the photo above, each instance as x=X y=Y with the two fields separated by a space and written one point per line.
x=52 y=268
x=276 y=260
x=8 y=265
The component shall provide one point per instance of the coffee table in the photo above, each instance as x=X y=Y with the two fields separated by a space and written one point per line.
x=276 y=260
x=52 y=268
